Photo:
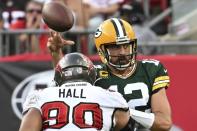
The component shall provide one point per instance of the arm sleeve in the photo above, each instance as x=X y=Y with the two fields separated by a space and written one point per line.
x=116 y=100
x=121 y=100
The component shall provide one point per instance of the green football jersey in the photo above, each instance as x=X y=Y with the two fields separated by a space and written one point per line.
x=149 y=77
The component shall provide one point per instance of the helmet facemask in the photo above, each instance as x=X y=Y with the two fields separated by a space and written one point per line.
x=121 y=61
x=78 y=73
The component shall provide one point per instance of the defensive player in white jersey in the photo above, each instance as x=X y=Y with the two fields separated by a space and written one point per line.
x=76 y=104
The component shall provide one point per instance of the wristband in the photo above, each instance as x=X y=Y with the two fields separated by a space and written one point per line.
x=145 y=119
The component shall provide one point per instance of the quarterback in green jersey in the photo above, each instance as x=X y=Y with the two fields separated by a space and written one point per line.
x=142 y=83
x=148 y=78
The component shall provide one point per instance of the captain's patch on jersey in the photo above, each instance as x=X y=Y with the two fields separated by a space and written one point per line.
x=103 y=74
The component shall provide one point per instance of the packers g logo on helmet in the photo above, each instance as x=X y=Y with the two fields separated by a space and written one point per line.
x=98 y=32
x=114 y=31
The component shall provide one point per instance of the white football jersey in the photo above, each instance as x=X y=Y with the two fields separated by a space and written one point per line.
x=76 y=106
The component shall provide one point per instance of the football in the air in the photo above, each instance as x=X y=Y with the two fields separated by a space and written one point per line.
x=57 y=16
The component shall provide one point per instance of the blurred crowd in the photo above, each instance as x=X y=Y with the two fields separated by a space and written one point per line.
x=17 y=14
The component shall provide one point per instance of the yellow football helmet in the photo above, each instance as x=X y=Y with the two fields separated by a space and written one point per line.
x=115 y=31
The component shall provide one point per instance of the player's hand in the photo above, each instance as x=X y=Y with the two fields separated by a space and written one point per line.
x=56 y=42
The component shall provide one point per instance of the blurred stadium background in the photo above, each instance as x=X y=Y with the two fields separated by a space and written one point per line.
x=175 y=44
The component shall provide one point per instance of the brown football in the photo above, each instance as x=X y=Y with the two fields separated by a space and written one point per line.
x=57 y=16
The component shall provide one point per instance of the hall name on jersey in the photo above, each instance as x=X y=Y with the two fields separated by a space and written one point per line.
x=68 y=93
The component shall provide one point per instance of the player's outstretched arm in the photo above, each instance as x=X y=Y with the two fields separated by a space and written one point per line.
x=160 y=118
x=31 y=121
x=54 y=44
x=161 y=109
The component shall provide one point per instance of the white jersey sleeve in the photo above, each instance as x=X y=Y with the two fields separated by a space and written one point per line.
x=32 y=101
x=111 y=99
